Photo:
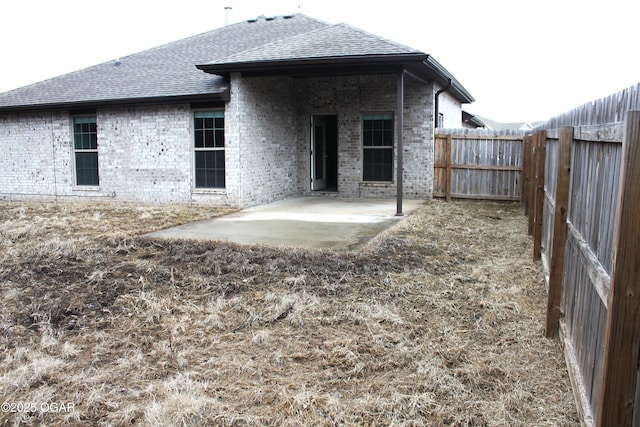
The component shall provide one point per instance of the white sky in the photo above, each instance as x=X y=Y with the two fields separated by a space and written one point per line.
x=522 y=60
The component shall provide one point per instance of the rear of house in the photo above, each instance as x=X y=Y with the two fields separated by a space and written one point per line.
x=249 y=113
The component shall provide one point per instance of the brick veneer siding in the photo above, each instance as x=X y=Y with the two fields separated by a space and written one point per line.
x=262 y=116
x=269 y=119
x=32 y=149
x=451 y=109
x=146 y=153
x=352 y=97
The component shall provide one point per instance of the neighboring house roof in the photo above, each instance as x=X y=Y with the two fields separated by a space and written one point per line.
x=472 y=120
x=492 y=124
x=168 y=73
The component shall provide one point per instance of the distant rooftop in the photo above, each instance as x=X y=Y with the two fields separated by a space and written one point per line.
x=492 y=124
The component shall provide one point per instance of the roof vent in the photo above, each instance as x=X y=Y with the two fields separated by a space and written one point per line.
x=270 y=18
x=288 y=16
x=251 y=21
x=117 y=63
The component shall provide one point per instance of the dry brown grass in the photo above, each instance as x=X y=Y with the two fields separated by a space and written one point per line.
x=437 y=322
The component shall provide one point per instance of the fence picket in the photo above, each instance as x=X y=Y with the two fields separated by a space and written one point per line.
x=622 y=343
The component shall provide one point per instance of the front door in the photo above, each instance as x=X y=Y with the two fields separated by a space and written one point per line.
x=318 y=153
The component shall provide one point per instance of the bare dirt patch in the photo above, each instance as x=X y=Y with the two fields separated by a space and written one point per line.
x=438 y=322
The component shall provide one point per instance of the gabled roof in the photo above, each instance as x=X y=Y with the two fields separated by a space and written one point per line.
x=293 y=45
x=336 y=49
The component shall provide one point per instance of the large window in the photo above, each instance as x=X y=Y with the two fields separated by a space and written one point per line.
x=209 y=149
x=85 y=144
x=377 y=147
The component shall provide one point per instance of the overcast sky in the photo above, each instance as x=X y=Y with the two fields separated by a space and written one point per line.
x=522 y=60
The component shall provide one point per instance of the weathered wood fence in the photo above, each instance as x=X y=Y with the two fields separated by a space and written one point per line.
x=478 y=164
x=581 y=191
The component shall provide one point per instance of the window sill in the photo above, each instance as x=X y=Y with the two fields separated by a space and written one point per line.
x=85 y=188
x=221 y=191
x=376 y=183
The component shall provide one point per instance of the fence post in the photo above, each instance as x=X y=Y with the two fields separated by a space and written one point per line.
x=537 y=225
x=448 y=157
x=559 y=231
x=622 y=341
x=532 y=181
x=526 y=159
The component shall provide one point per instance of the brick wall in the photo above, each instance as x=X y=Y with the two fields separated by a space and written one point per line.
x=263 y=113
x=32 y=151
x=451 y=109
x=418 y=140
x=351 y=97
x=146 y=153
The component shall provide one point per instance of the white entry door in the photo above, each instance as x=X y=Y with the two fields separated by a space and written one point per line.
x=318 y=153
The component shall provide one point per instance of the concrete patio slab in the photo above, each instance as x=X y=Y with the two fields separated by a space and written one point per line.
x=306 y=222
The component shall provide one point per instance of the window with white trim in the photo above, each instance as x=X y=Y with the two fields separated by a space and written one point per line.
x=85 y=147
x=377 y=147
x=209 y=149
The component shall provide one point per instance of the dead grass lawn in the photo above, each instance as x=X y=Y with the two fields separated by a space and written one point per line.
x=437 y=322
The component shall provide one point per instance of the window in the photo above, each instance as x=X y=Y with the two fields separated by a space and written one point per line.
x=85 y=145
x=378 y=147
x=209 y=149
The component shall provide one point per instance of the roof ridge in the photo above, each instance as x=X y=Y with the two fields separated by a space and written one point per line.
x=370 y=34
x=202 y=34
x=273 y=43
x=291 y=39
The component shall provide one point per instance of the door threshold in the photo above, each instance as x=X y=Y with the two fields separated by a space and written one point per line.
x=324 y=193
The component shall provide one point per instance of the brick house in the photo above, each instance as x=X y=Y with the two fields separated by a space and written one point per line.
x=249 y=113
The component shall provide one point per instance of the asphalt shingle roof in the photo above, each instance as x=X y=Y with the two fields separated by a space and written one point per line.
x=164 y=71
x=338 y=40
x=168 y=73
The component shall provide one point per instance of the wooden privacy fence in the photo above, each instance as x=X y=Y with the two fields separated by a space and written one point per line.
x=581 y=191
x=473 y=164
